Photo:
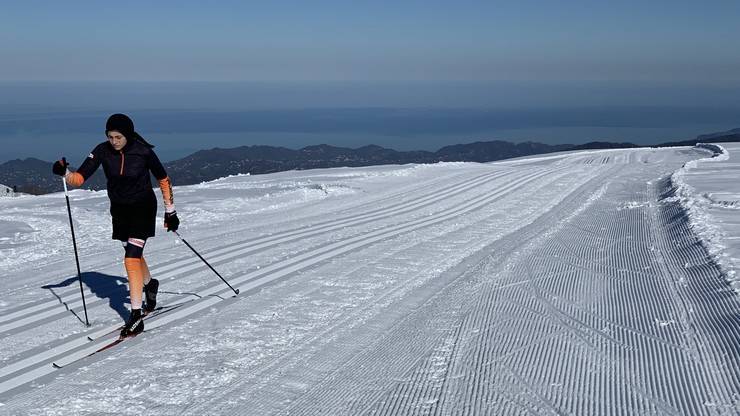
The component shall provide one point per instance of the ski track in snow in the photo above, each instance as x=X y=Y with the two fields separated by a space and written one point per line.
x=566 y=284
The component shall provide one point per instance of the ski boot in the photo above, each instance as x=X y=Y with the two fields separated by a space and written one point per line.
x=150 y=295
x=134 y=325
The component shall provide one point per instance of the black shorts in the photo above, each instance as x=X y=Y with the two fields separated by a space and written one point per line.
x=134 y=221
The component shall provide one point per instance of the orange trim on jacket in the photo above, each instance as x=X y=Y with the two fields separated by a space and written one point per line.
x=169 y=201
x=74 y=179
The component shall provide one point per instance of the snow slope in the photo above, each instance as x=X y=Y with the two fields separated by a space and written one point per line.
x=567 y=284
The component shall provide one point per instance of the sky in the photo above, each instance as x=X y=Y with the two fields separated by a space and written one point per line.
x=429 y=40
x=554 y=72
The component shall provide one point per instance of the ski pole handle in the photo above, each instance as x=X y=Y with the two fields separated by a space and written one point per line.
x=64 y=178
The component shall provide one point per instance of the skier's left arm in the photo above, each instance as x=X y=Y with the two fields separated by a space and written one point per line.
x=171 y=222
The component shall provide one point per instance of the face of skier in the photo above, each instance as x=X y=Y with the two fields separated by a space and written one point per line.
x=116 y=139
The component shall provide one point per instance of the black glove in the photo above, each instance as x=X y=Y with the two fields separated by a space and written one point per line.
x=60 y=167
x=171 y=222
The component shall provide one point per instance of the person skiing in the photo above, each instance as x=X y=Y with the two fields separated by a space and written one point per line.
x=127 y=160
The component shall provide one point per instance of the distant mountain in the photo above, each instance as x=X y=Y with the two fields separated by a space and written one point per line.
x=495 y=150
x=34 y=176
x=206 y=165
x=734 y=133
x=30 y=175
x=720 y=137
x=603 y=145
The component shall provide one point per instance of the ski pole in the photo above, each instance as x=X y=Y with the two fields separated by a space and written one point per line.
x=236 y=291
x=74 y=244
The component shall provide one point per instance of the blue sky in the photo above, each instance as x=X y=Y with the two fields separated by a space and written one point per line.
x=661 y=41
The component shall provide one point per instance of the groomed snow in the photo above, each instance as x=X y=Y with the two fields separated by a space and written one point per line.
x=564 y=284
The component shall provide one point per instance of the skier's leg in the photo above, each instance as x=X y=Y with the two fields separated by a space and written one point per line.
x=151 y=287
x=134 y=269
x=132 y=260
x=145 y=270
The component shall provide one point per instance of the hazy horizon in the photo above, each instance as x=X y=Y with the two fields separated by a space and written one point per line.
x=49 y=119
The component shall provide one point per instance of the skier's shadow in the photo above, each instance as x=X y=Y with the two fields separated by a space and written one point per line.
x=104 y=286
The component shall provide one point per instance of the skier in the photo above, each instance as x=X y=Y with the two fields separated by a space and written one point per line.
x=127 y=160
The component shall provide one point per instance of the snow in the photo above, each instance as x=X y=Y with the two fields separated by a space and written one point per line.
x=709 y=190
x=579 y=283
x=6 y=191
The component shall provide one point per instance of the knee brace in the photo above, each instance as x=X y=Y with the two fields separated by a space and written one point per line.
x=134 y=248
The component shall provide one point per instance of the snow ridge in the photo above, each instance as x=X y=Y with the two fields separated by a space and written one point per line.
x=696 y=206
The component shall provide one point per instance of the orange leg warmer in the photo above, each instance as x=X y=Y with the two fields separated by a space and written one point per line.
x=135 y=273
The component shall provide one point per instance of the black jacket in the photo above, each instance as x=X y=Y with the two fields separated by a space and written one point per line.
x=127 y=170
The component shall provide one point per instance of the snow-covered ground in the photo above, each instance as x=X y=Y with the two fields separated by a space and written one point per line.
x=6 y=191
x=562 y=284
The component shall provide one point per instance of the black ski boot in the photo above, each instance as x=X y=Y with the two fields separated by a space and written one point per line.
x=150 y=295
x=134 y=325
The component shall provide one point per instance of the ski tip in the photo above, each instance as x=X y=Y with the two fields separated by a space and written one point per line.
x=55 y=365
x=89 y=338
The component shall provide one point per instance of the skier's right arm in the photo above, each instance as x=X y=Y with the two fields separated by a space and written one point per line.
x=88 y=167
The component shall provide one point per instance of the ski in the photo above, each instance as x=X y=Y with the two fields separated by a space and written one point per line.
x=157 y=311
x=112 y=344
x=97 y=348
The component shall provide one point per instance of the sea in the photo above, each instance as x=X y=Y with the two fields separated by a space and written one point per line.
x=48 y=120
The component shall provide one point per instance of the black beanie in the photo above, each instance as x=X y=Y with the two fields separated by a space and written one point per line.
x=122 y=124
